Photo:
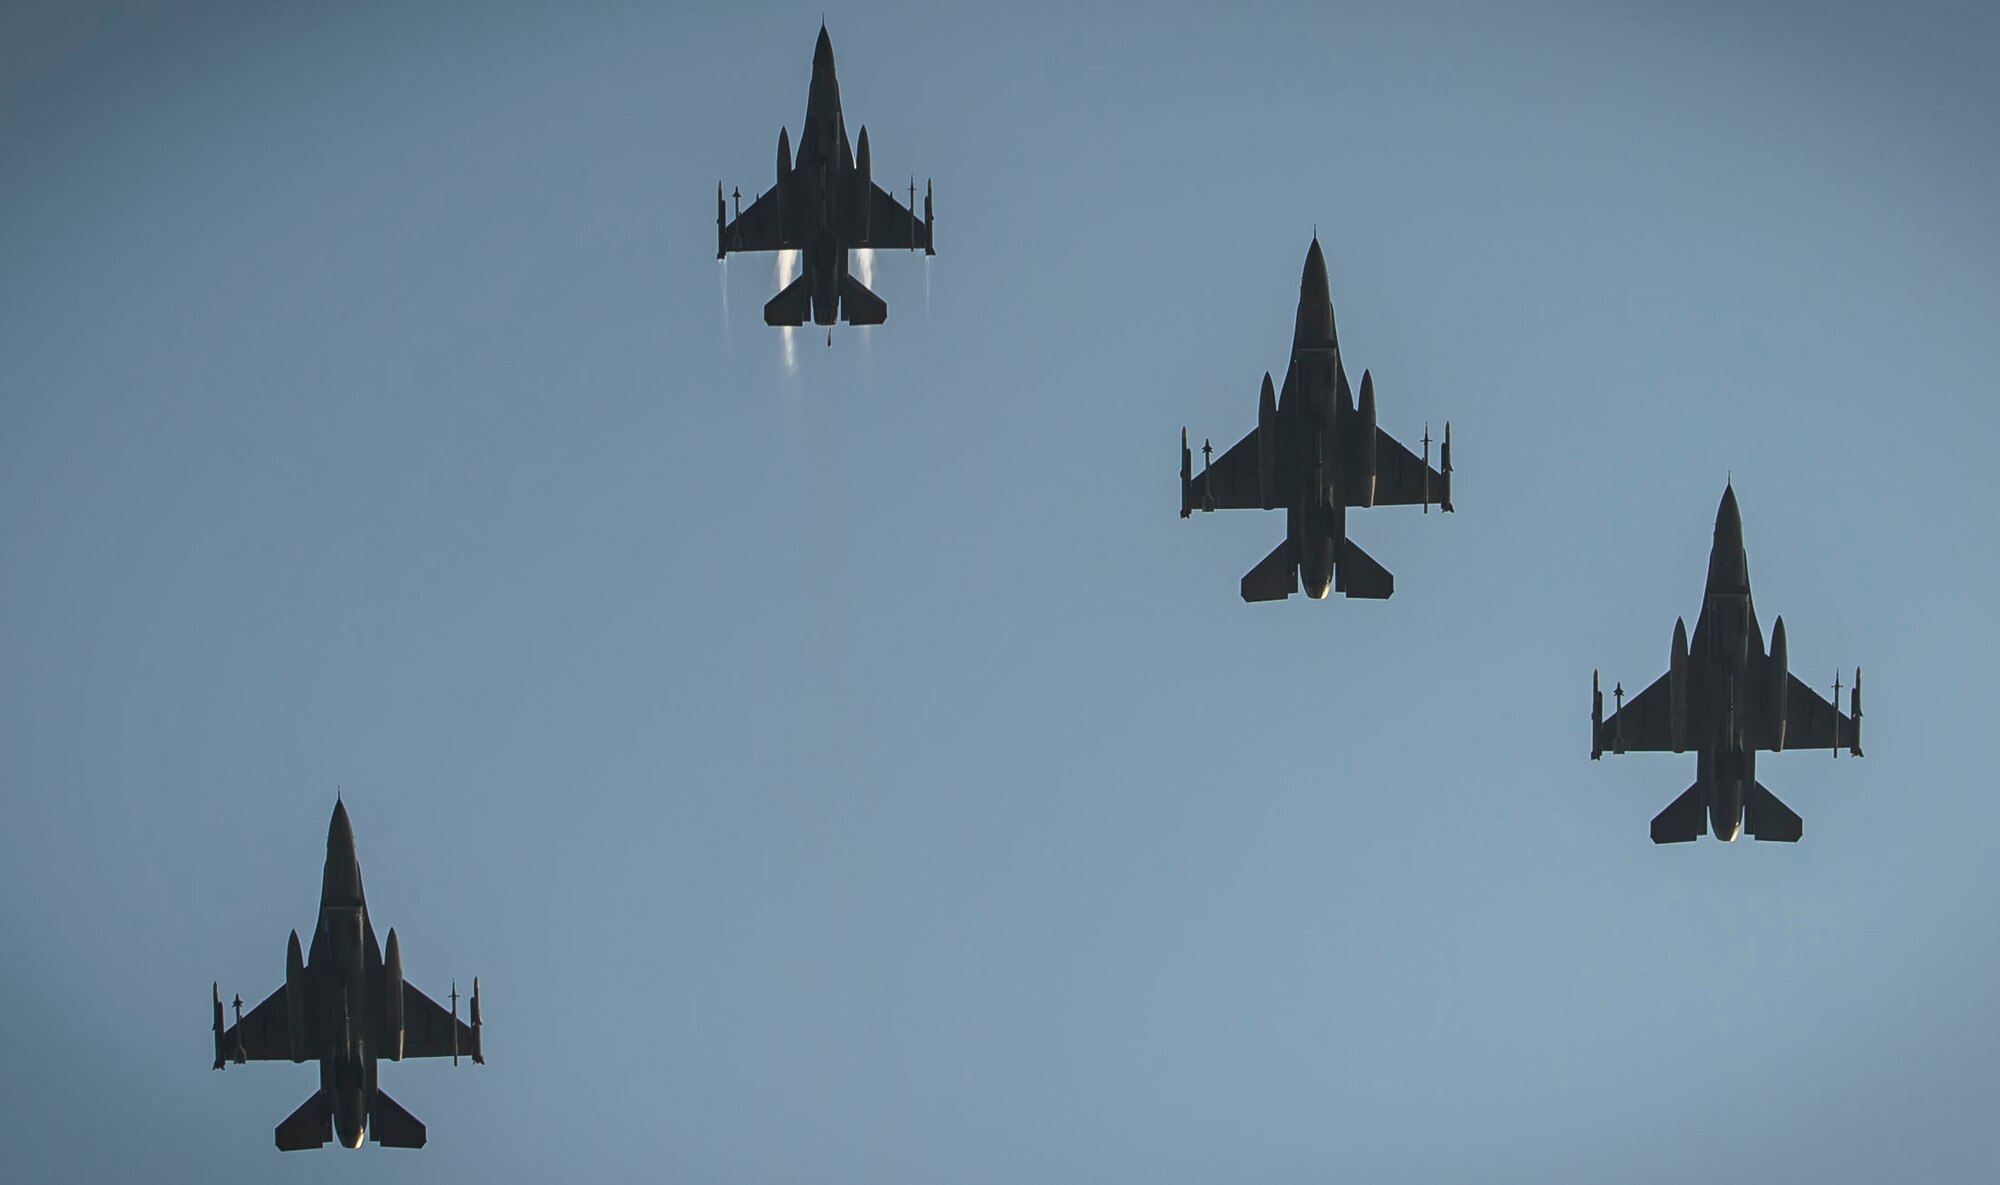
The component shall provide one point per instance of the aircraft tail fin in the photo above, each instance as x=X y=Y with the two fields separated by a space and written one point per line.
x=1770 y=819
x=859 y=305
x=391 y=1126
x=311 y=1126
x=1356 y=574
x=1685 y=818
x=789 y=306
x=1275 y=577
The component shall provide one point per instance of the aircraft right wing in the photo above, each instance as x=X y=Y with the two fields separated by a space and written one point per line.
x=759 y=228
x=1403 y=479
x=430 y=1030
x=1643 y=725
x=891 y=224
x=1229 y=483
x=1811 y=722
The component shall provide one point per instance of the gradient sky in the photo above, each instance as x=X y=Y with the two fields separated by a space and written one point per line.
x=856 y=773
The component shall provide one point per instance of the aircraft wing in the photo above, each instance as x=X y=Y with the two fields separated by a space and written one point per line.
x=1230 y=481
x=891 y=224
x=265 y=1033
x=1403 y=479
x=1812 y=722
x=761 y=227
x=429 y=1029
x=1643 y=725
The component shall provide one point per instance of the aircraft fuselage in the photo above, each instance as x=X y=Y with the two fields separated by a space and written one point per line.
x=823 y=167
x=824 y=205
x=1725 y=662
x=1725 y=696
x=345 y=1004
x=1316 y=453
x=1314 y=408
x=345 y=988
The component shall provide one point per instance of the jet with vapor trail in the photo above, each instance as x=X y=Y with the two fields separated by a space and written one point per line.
x=345 y=1004
x=1316 y=453
x=1725 y=696
x=825 y=204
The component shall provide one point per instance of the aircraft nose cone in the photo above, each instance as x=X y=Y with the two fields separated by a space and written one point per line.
x=1314 y=326
x=1728 y=569
x=340 y=833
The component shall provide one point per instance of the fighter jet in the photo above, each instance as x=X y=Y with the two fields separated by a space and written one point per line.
x=346 y=1007
x=824 y=204
x=1725 y=697
x=1316 y=454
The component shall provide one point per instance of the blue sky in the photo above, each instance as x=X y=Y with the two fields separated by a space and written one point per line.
x=856 y=772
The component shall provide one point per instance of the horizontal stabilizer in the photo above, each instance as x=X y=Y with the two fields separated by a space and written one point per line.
x=1275 y=578
x=1769 y=818
x=1685 y=818
x=391 y=1126
x=859 y=306
x=311 y=1126
x=1356 y=574
x=789 y=307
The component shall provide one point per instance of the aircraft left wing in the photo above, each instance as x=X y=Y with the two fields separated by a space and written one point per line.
x=1643 y=725
x=261 y=1035
x=1229 y=483
x=759 y=228
x=430 y=1030
x=893 y=225
x=1812 y=722
x=1403 y=479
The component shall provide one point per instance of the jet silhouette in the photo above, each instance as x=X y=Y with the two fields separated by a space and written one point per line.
x=824 y=205
x=346 y=1007
x=1725 y=697
x=1316 y=453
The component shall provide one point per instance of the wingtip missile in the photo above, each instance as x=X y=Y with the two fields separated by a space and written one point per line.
x=1444 y=468
x=478 y=1046
x=215 y=996
x=1854 y=705
x=930 y=219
